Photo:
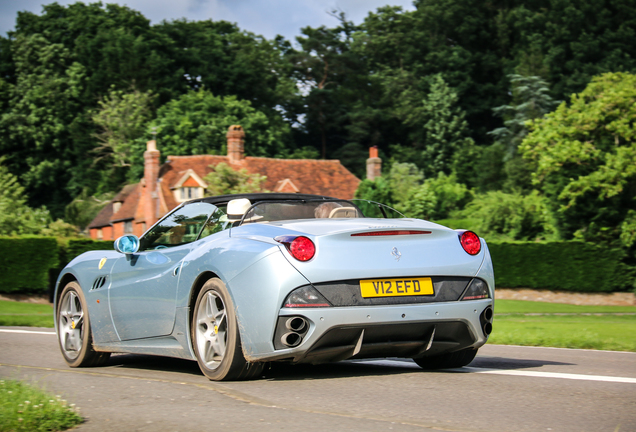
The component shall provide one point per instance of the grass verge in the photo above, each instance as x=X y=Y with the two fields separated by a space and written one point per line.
x=14 y=313
x=526 y=307
x=517 y=323
x=26 y=408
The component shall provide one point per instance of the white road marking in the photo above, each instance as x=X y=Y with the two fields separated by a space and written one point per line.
x=25 y=331
x=537 y=374
x=408 y=364
x=510 y=372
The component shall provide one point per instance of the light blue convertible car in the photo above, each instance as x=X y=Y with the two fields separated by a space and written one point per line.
x=237 y=281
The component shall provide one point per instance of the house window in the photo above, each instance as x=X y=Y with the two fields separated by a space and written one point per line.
x=128 y=229
x=100 y=234
x=188 y=193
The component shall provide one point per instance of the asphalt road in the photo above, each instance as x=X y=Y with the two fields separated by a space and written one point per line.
x=504 y=389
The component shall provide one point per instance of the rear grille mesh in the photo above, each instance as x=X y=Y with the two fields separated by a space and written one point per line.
x=347 y=293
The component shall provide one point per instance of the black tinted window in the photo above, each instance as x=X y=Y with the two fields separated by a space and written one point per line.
x=181 y=227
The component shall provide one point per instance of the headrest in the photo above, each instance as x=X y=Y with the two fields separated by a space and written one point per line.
x=343 y=212
x=237 y=208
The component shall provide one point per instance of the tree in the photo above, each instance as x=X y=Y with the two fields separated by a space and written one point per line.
x=326 y=70
x=83 y=209
x=458 y=39
x=573 y=40
x=56 y=67
x=511 y=216
x=121 y=118
x=585 y=154
x=197 y=122
x=224 y=180
x=227 y=61
x=16 y=217
x=436 y=198
x=403 y=177
x=42 y=119
x=445 y=130
x=406 y=190
x=530 y=100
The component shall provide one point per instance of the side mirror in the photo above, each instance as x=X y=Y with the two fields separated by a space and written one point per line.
x=127 y=244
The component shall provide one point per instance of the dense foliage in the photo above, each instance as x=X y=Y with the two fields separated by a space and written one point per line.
x=585 y=157
x=224 y=180
x=421 y=85
x=460 y=96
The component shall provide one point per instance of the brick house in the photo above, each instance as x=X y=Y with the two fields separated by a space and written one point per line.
x=138 y=206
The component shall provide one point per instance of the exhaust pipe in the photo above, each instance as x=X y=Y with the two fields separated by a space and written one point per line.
x=487 y=328
x=296 y=324
x=486 y=320
x=290 y=331
x=291 y=339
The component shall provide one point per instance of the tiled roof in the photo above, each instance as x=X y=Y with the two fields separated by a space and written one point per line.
x=308 y=176
x=105 y=216
x=320 y=177
x=129 y=206
x=125 y=191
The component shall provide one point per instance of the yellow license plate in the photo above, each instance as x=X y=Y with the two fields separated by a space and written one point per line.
x=396 y=287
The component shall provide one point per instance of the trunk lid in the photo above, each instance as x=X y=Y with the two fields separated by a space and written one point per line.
x=341 y=256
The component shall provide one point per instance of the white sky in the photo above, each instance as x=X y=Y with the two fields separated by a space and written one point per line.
x=263 y=17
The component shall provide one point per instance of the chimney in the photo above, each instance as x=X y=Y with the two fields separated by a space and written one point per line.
x=151 y=173
x=374 y=164
x=235 y=143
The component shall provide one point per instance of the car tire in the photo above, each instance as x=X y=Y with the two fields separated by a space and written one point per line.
x=452 y=360
x=216 y=341
x=74 y=329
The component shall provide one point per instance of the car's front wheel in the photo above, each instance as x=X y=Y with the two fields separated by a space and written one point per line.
x=74 y=329
x=452 y=360
x=215 y=336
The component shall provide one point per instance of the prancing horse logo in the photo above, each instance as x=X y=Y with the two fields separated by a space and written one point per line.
x=396 y=253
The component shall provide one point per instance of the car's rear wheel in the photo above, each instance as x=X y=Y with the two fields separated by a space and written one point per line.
x=452 y=360
x=74 y=329
x=215 y=336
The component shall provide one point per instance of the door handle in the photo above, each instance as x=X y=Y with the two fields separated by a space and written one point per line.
x=175 y=271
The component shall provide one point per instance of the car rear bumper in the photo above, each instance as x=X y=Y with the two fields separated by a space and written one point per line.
x=417 y=330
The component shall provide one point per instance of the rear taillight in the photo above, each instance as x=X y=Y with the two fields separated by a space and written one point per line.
x=305 y=297
x=470 y=242
x=300 y=247
x=477 y=290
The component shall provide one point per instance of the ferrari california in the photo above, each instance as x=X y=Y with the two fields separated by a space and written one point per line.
x=237 y=281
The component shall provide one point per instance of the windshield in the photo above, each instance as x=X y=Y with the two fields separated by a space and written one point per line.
x=184 y=225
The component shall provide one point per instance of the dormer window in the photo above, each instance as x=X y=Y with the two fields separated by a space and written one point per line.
x=190 y=186
x=188 y=193
x=116 y=206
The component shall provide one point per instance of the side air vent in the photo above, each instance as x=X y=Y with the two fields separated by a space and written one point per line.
x=99 y=282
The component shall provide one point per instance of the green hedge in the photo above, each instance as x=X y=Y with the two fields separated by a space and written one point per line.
x=26 y=262
x=75 y=247
x=33 y=263
x=567 y=266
